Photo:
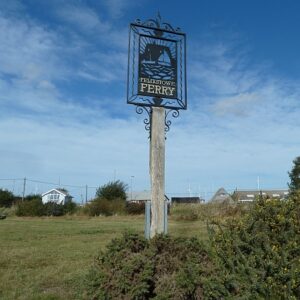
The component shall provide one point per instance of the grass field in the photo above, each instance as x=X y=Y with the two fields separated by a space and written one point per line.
x=48 y=258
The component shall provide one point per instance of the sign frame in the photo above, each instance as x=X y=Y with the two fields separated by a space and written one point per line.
x=169 y=91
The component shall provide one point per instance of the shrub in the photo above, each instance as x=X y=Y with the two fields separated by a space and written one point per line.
x=261 y=252
x=114 y=190
x=8 y=211
x=135 y=208
x=33 y=197
x=162 y=268
x=105 y=207
x=53 y=209
x=294 y=175
x=33 y=207
x=6 y=198
x=69 y=207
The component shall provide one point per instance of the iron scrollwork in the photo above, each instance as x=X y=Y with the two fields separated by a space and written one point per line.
x=168 y=122
x=147 y=121
x=156 y=65
x=156 y=69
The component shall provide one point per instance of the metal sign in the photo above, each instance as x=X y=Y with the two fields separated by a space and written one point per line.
x=156 y=65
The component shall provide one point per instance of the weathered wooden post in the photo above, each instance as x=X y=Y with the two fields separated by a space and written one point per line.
x=157 y=86
x=157 y=170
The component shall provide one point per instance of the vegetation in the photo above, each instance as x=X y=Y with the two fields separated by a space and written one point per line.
x=162 y=268
x=260 y=253
x=6 y=198
x=135 y=208
x=294 y=175
x=114 y=190
x=35 y=207
x=104 y=207
x=50 y=257
x=253 y=255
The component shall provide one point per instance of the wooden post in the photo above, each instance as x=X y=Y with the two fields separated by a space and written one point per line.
x=157 y=170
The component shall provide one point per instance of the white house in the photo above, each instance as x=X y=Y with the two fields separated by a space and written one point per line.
x=59 y=196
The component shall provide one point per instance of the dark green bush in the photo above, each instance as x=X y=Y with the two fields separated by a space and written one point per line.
x=6 y=198
x=261 y=252
x=162 y=268
x=133 y=208
x=53 y=209
x=33 y=206
x=70 y=207
x=32 y=197
x=30 y=208
x=105 y=207
x=114 y=190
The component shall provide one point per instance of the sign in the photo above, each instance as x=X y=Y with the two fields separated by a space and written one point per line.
x=156 y=65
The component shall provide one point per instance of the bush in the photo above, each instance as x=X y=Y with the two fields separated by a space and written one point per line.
x=33 y=206
x=105 y=207
x=6 y=198
x=261 y=252
x=135 y=208
x=53 y=209
x=8 y=211
x=207 y=211
x=114 y=190
x=70 y=207
x=30 y=208
x=33 y=197
x=162 y=268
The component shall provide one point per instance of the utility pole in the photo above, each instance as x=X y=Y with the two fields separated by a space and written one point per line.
x=24 y=187
x=86 y=193
x=157 y=170
x=131 y=180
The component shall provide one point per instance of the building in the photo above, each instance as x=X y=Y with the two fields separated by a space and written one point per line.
x=250 y=195
x=222 y=196
x=186 y=200
x=141 y=196
x=60 y=196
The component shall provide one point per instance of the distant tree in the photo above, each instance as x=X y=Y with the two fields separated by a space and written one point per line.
x=6 y=198
x=33 y=197
x=294 y=175
x=112 y=190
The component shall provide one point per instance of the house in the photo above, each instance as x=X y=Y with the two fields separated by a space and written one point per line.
x=250 y=195
x=60 y=196
x=222 y=196
x=143 y=196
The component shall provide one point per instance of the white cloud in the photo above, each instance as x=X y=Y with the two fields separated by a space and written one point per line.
x=242 y=121
x=83 y=17
x=116 y=8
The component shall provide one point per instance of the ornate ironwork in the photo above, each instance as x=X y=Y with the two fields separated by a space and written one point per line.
x=174 y=114
x=157 y=36
x=147 y=121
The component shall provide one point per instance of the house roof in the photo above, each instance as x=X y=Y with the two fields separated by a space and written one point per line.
x=221 y=195
x=141 y=196
x=250 y=195
x=60 y=191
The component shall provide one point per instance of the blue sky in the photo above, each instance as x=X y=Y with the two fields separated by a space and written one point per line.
x=63 y=111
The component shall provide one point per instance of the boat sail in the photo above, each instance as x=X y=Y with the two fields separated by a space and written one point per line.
x=164 y=59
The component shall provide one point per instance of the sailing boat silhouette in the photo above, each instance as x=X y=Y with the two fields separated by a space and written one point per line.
x=156 y=54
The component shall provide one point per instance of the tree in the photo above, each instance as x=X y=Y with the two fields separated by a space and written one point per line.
x=294 y=175
x=6 y=198
x=112 y=190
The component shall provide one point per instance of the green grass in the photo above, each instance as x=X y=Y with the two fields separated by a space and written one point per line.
x=48 y=258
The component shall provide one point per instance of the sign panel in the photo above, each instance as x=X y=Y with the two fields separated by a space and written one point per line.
x=156 y=66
